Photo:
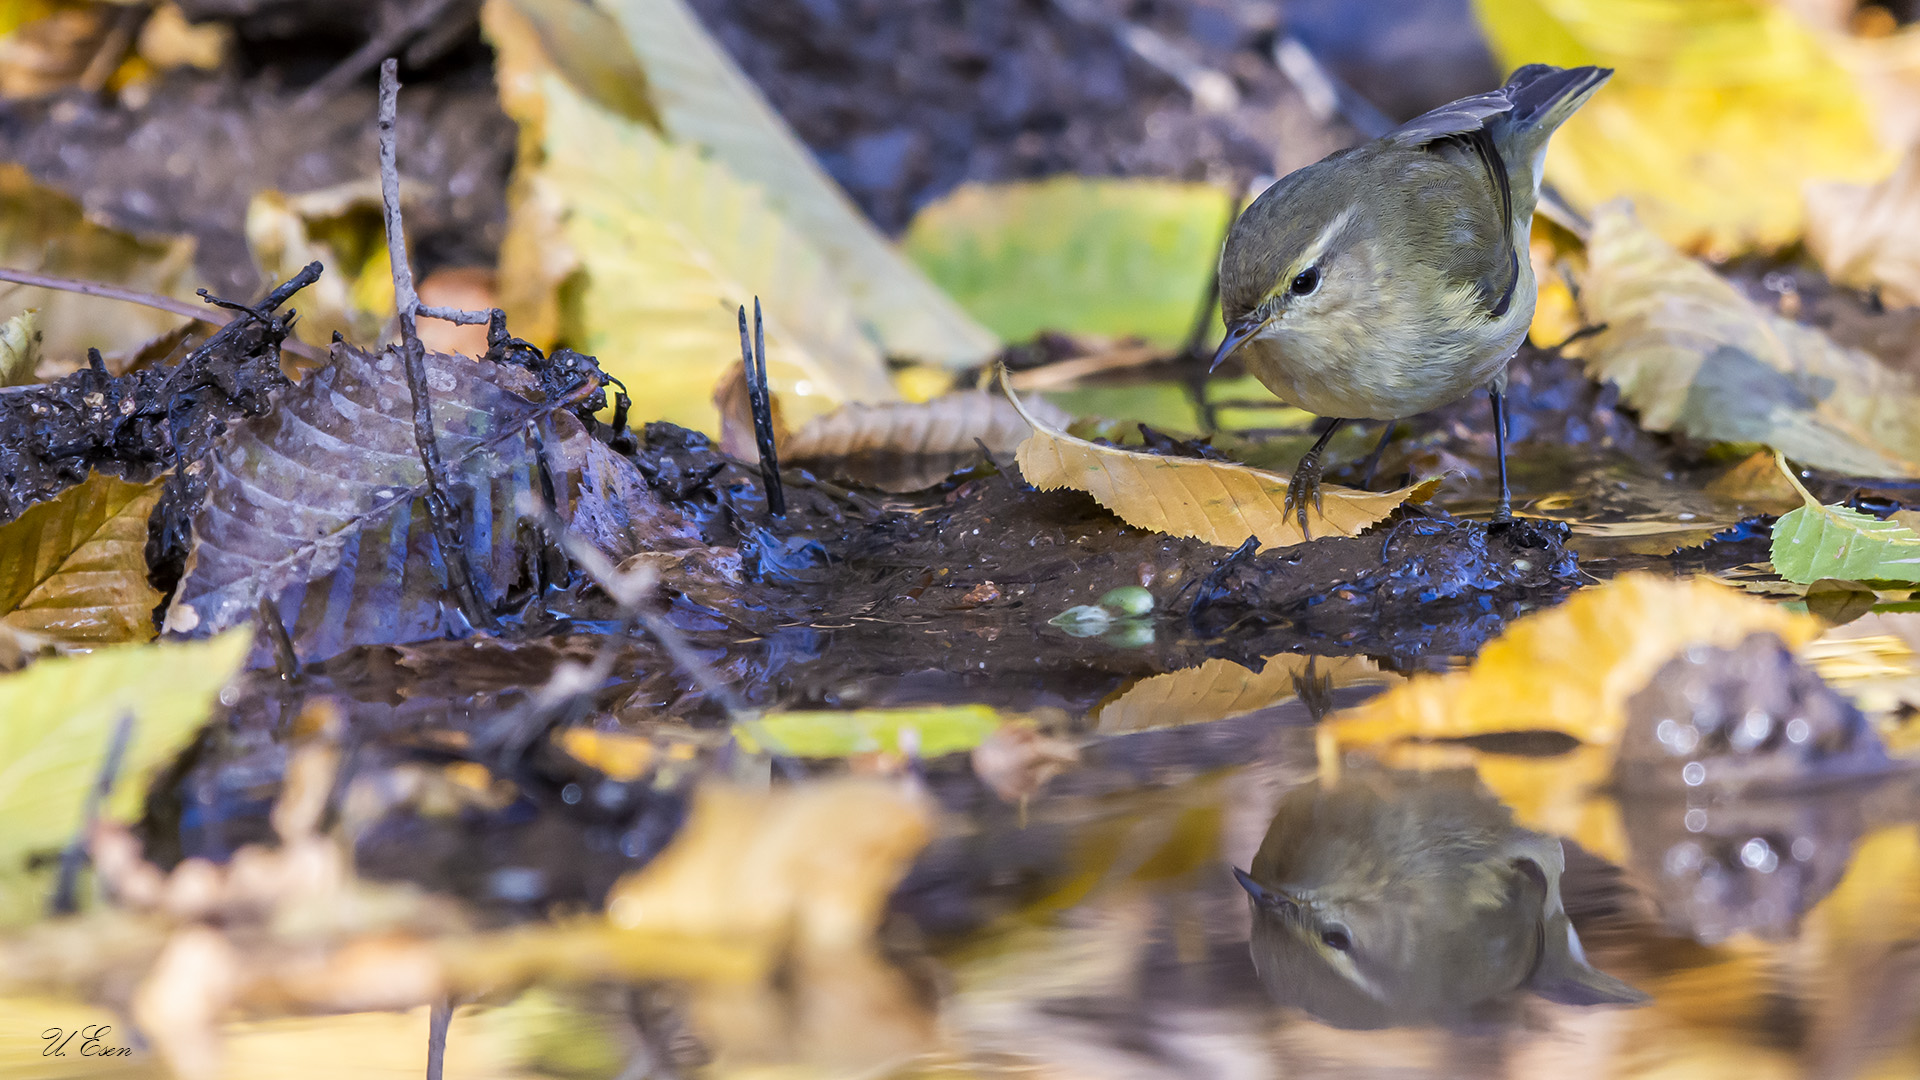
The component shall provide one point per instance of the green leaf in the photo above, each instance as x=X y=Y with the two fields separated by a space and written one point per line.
x=60 y=715
x=706 y=102
x=936 y=731
x=1816 y=542
x=1082 y=256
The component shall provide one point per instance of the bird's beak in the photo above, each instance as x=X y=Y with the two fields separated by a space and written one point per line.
x=1238 y=331
x=1262 y=895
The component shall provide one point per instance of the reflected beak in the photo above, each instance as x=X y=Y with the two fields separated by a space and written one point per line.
x=1238 y=331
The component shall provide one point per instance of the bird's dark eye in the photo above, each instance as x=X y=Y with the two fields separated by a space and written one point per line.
x=1336 y=939
x=1305 y=281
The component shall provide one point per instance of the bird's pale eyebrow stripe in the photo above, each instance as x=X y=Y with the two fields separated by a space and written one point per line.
x=1325 y=240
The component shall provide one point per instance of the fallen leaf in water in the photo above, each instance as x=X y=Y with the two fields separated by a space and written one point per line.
x=322 y=500
x=46 y=232
x=1867 y=236
x=1219 y=689
x=1694 y=355
x=73 y=569
x=1815 y=542
x=668 y=247
x=706 y=102
x=1075 y=254
x=901 y=447
x=1572 y=668
x=61 y=714
x=20 y=339
x=1716 y=115
x=924 y=732
x=1216 y=501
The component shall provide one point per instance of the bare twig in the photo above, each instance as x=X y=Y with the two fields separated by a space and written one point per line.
x=455 y=315
x=438 y=1020
x=413 y=355
x=1325 y=94
x=753 y=353
x=65 y=902
x=167 y=304
x=381 y=45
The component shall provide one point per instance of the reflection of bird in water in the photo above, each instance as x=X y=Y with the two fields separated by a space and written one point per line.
x=1412 y=898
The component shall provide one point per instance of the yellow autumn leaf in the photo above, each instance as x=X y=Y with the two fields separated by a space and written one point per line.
x=1572 y=668
x=1220 y=689
x=344 y=229
x=60 y=715
x=706 y=101
x=20 y=339
x=73 y=569
x=1717 y=114
x=1867 y=236
x=669 y=246
x=1693 y=354
x=1219 y=502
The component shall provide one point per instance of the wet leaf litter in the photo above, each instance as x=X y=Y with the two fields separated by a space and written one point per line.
x=761 y=646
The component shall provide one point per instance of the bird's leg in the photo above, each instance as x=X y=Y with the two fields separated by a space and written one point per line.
x=1373 y=460
x=1505 y=510
x=1304 y=488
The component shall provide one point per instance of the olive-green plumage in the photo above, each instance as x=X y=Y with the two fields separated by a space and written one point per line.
x=1393 y=278
x=1412 y=898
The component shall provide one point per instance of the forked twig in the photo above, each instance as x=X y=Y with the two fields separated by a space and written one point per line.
x=760 y=400
x=413 y=356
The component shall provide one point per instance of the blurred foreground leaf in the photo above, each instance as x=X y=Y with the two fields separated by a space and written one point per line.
x=1718 y=112
x=46 y=232
x=59 y=717
x=928 y=732
x=1571 y=669
x=1219 y=502
x=1694 y=355
x=1867 y=236
x=706 y=102
x=73 y=569
x=668 y=247
x=1076 y=255
x=1815 y=542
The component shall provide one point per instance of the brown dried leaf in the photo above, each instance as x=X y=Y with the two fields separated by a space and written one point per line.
x=1219 y=502
x=1219 y=689
x=73 y=569
x=1693 y=354
x=906 y=447
x=1868 y=235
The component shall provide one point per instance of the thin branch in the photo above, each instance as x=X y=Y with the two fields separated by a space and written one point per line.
x=453 y=553
x=212 y=316
x=753 y=354
x=455 y=315
x=438 y=1020
x=65 y=902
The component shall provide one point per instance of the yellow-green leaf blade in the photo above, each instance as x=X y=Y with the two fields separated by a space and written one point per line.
x=706 y=101
x=932 y=732
x=1219 y=502
x=1078 y=255
x=1815 y=542
x=74 y=568
x=60 y=714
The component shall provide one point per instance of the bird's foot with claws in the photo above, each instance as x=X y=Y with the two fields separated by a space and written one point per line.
x=1304 y=490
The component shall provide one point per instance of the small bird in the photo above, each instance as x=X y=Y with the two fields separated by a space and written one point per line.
x=1391 y=278
x=1392 y=898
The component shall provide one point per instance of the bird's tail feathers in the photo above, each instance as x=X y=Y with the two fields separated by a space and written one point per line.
x=1544 y=96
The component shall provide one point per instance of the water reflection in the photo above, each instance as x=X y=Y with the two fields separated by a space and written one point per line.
x=1391 y=898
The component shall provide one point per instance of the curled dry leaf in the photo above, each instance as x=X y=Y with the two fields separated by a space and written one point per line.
x=902 y=446
x=706 y=102
x=1076 y=254
x=1716 y=115
x=1216 y=501
x=344 y=228
x=60 y=717
x=73 y=569
x=1572 y=668
x=1694 y=355
x=1815 y=543
x=20 y=340
x=1868 y=235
